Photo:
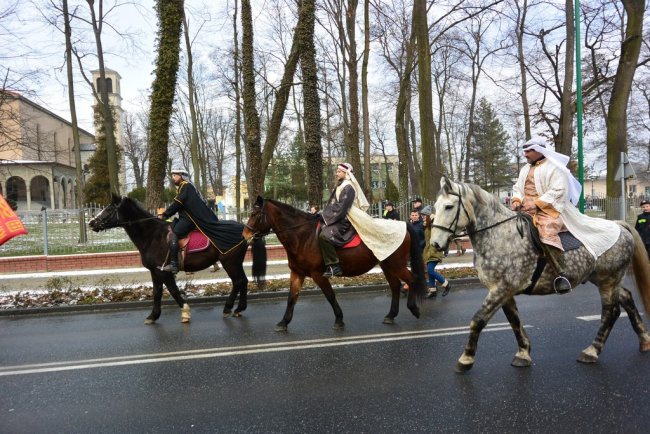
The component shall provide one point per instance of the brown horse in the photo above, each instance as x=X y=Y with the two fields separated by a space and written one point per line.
x=297 y=231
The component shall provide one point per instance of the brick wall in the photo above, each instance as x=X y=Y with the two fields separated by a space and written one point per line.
x=90 y=261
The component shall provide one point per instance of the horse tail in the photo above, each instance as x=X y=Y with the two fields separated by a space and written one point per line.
x=417 y=266
x=640 y=266
x=258 y=250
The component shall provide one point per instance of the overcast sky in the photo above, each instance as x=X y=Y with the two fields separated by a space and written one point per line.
x=43 y=49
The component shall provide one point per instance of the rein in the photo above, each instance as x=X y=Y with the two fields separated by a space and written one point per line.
x=470 y=232
x=119 y=224
x=258 y=234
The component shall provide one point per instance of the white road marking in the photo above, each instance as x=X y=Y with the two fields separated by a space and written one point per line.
x=597 y=317
x=207 y=353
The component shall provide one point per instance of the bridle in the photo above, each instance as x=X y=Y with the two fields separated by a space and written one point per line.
x=262 y=218
x=104 y=225
x=454 y=222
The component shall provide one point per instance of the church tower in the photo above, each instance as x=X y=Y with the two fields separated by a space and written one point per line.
x=115 y=100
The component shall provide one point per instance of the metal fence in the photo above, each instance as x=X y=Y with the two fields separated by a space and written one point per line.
x=57 y=232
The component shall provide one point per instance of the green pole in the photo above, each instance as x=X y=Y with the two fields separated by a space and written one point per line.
x=581 y=171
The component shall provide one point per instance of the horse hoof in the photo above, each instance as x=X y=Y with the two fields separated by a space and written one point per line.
x=280 y=327
x=185 y=314
x=587 y=358
x=461 y=368
x=389 y=320
x=237 y=315
x=149 y=321
x=338 y=326
x=521 y=362
x=416 y=312
x=644 y=347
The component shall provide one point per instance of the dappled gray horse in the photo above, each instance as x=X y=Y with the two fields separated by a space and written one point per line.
x=506 y=258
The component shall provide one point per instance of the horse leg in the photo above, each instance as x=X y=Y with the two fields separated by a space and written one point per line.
x=170 y=283
x=157 y=300
x=241 y=287
x=295 y=283
x=522 y=358
x=627 y=302
x=610 y=311
x=394 y=284
x=325 y=286
x=494 y=300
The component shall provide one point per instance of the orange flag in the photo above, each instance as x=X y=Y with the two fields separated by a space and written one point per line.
x=10 y=224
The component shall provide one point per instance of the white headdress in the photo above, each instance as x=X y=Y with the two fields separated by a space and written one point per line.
x=359 y=198
x=559 y=160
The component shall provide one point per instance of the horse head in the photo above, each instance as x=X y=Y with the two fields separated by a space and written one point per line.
x=452 y=213
x=258 y=224
x=108 y=217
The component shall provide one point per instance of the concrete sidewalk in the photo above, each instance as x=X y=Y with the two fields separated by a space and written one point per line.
x=138 y=276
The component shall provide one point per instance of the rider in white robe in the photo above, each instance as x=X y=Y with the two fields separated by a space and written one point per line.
x=557 y=188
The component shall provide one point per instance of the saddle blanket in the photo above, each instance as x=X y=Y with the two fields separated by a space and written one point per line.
x=196 y=242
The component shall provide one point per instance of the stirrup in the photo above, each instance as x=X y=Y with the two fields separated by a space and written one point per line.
x=561 y=285
x=173 y=268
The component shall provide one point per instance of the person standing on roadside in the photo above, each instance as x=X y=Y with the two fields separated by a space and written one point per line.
x=390 y=212
x=642 y=225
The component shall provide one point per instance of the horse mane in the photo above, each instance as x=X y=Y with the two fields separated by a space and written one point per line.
x=134 y=209
x=294 y=212
x=487 y=200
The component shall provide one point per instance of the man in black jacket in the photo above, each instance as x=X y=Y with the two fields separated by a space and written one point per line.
x=337 y=229
x=193 y=213
x=643 y=224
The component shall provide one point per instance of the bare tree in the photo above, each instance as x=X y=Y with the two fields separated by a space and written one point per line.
x=135 y=146
x=618 y=103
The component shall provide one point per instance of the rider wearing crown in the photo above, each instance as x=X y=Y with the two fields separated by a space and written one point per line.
x=193 y=213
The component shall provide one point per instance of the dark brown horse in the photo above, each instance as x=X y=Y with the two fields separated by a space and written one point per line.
x=149 y=234
x=297 y=231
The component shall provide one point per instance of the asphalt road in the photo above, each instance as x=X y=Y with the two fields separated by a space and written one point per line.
x=107 y=372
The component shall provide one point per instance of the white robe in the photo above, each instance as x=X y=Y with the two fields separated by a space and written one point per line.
x=381 y=236
x=597 y=234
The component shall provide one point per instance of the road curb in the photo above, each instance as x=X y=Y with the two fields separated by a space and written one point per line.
x=128 y=305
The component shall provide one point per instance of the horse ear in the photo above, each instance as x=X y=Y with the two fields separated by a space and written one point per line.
x=116 y=198
x=259 y=202
x=445 y=184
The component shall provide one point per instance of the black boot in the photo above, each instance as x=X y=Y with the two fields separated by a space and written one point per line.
x=173 y=255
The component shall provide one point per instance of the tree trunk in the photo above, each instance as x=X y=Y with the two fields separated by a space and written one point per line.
x=617 y=113
x=107 y=112
x=251 y=116
x=313 y=149
x=430 y=159
x=352 y=139
x=520 y=27
x=565 y=129
x=401 y=123
x=75 y=127
x=194 y=141
x=364 y=100
x=170 y=18
x=237 y=116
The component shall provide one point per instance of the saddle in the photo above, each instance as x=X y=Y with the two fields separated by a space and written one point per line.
x=194 y=242
x=354 y=242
